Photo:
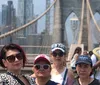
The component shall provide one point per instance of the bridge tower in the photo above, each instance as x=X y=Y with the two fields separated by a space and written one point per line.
x=63 y=8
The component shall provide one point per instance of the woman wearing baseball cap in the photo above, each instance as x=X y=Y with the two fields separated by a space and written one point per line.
x=42 y=70
x=84 y=71
x=59 y=72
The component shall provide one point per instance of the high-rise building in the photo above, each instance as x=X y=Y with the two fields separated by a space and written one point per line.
x=8 y=20
x=25 y=15
x=4 y=14
x=0 y=18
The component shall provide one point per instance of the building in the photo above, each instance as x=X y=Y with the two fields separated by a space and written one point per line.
x=4 y=14
x=8 y=20
x=25 y=15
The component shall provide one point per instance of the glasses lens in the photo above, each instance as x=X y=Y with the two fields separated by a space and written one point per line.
x=11 y=58
x=60 y=54
x=37 y=66
x=19 y=56
x=54 y=54
x=46 y=66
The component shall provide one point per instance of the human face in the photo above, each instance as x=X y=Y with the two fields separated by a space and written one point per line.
x=12 y=61
x=57 y=56
x=83 y=70
x=42 y=71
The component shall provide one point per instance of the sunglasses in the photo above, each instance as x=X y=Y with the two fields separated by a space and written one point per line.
x=44 y=66
x=60 y=54
x=11 y=58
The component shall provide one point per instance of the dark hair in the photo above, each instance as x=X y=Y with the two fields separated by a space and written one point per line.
x=90 y=53
x=11 y=47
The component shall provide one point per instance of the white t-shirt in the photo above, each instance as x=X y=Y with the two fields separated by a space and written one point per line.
x=94 y=60
x=59 y=78
x=73 y=61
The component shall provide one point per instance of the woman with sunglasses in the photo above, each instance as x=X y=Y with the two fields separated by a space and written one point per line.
x=59 y=72
x=42 y=70
x=12 y=57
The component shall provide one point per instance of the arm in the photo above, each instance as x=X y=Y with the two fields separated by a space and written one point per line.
x=97 y=64
x=70 y=77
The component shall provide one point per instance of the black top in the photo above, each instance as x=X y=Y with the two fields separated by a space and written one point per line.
x=51 y=83
x=94 y=82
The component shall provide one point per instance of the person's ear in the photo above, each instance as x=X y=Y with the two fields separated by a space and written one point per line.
x=4 y=62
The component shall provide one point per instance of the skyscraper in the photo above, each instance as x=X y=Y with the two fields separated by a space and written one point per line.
x=25 y=14
x=4 y=14
x=8 y=20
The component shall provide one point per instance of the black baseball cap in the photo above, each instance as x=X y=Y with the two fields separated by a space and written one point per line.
x=84 y=59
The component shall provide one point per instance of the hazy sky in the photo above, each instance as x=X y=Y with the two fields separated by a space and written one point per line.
x=38 y=4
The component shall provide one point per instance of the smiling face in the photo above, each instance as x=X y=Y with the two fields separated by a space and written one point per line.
x=17 y=64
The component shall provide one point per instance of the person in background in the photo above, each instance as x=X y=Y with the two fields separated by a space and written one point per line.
x=90 y=53
x=12 y=57
x=84 y=71
x=60 y=72
x=96 y=63
x=85 y=52
x=76 y=53
x=42 y=70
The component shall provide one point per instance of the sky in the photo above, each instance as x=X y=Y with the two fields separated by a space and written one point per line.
x=39 y=8
x=40 y=5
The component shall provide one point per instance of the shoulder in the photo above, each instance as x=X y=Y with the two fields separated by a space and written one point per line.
x=70 y=73
x=95 y=82
x=7 y=79
x=75 y=82
x=30 y=79
x=93 y=56
x=4 y=76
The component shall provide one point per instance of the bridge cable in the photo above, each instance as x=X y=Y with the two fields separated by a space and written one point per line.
x=81 y=25
x=27 y=24
x=88 y=3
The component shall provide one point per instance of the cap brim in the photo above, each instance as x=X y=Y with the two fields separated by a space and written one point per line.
x=41 y=58
x=79 y=62
x=57 y=49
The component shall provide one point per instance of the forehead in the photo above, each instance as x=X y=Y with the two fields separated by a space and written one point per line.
x=41 y=62
x=10 y=52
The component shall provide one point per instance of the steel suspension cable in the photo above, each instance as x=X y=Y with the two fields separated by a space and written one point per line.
x=88 y=3
x=26 y=25
x=81 y=26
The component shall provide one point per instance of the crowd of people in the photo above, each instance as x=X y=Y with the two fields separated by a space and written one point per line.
x=51 y=69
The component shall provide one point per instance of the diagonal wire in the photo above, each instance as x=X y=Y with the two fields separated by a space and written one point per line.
x=26 y=25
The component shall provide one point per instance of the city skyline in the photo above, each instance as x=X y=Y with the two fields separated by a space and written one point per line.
x=40 y=5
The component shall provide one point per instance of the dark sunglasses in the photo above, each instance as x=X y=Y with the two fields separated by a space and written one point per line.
x=11 y=58
x=44 y=66
x=60 y=54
